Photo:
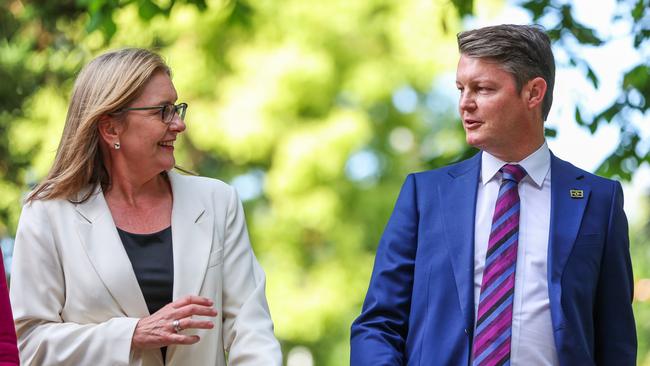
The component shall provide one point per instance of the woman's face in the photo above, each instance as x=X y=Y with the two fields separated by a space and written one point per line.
x=147 y=143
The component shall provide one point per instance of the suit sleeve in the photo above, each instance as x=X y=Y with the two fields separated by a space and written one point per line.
x=247 y=326
x=8 y=348
x=38 y=295
x=378 y=335
x=615 y=331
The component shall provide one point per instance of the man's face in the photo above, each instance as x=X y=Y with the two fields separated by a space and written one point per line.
x=495 y=116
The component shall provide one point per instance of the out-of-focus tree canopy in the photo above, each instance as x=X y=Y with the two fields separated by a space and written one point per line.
x=315 y=111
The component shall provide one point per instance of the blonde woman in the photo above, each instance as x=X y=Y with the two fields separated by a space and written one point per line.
x=121 y=261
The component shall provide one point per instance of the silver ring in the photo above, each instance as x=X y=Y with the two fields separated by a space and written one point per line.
x=176 y=324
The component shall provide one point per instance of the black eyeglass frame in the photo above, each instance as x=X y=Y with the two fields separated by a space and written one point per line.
x=167 y=109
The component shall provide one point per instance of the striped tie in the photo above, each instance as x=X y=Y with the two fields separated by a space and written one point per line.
x=494 y=318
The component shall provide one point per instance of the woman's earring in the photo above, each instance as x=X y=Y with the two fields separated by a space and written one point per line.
x=116 y=145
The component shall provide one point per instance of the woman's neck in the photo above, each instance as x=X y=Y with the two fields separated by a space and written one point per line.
x=136 y=191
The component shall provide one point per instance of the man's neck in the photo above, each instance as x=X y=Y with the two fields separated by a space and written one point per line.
x=519 y=153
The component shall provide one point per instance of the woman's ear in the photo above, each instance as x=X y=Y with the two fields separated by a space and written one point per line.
x=535 y=91
x=109 y=130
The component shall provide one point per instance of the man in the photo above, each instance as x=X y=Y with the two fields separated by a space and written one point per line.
x=513 y=257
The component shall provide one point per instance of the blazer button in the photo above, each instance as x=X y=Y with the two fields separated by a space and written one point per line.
x=466 y=331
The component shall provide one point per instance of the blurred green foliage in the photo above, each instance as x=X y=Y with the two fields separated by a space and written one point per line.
x=315 y=110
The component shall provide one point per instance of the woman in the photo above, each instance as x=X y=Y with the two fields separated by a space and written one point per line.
x=8 y=350
x=121 y=261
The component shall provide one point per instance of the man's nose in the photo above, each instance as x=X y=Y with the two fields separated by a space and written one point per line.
x=467 y=101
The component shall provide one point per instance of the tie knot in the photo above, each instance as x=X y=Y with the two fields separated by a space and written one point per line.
x=513 y=172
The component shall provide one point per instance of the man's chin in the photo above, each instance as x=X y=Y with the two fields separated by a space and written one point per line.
x=474 y=141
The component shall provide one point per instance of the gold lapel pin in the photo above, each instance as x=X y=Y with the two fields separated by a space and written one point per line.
x=576 y=193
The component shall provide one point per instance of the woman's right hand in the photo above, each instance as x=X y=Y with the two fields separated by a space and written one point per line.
x=157 y=330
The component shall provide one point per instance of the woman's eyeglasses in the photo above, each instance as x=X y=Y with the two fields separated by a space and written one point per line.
x=167 y=111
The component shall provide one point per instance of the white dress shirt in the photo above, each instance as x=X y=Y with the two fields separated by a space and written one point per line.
x=532 y=340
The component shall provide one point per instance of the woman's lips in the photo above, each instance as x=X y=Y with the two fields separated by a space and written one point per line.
x=169 y=144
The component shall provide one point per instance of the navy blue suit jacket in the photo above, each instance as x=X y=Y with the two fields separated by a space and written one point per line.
x=419 y=309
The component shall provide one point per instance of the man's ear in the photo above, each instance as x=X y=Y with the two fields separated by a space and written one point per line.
x=109 y=129
x=534 y=92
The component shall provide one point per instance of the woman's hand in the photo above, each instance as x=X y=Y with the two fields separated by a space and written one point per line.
x=157 y=330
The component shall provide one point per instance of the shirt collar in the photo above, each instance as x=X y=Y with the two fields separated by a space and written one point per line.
x=536 y=164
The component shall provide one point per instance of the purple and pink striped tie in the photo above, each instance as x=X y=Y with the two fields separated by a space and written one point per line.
x=494 y=318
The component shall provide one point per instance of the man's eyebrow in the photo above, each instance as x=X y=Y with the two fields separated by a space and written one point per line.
x=479 y=80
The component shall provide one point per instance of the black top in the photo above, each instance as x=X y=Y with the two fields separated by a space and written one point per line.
x=152 y=259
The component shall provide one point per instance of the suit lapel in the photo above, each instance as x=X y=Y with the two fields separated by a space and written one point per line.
x=458 y=199
x=105 y=250
x=192 y=228
x=566 y=216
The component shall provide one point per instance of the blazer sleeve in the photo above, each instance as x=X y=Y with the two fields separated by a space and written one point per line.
x=615 y=331
x=8 y=348
x=38 y=295
x=247 y=326
x=378 y=335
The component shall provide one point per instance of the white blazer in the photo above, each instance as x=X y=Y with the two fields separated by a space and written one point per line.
x=76 y=300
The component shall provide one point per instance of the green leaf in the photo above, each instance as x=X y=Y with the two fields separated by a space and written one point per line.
x=96 y=19
x=147 y=9
x=550 y=132
x=200 y=4
x=109 y=27
x=241 y=13
x=638 y=77
x=639 y=9
x=554 y=34
x=95 y=6
x=578 y=117
x=464 y=7
x=641 y=36
x=609 y=113
x=592 y=77
x=585 y=35
x=593 y=126
x=536 y=7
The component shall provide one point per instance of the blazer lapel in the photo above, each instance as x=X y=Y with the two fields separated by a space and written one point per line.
x=458 y=197
x=105 y=250
x=192 y=231
x=566 y=216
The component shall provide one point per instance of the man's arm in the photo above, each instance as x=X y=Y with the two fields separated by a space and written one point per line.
x=615 y=331
x=379 y=333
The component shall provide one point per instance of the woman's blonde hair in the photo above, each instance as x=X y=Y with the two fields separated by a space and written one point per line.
x=107 y=84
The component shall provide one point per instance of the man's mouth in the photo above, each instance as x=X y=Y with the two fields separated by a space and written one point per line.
x=469 y=123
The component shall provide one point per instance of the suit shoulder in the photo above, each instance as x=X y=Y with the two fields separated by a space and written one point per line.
x=40 y=206
x=202 y=185
x=591 y=178
x=449 y=170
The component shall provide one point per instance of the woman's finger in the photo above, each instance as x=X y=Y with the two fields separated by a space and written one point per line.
x=193 y=309
x=191 y=299
x=182 y=339
x=189 y=323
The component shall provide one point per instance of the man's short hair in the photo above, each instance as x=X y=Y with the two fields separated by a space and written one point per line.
x=522 y=50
